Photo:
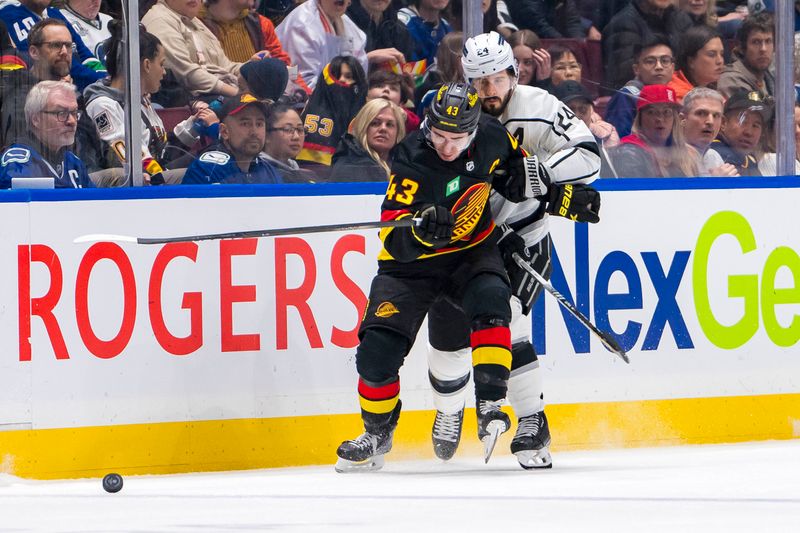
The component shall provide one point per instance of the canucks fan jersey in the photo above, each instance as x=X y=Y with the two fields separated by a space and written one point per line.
x=217 y=165
x=21 y=161
x=547 y=128
x=420 y=178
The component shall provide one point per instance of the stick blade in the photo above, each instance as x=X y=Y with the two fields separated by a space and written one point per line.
x=104 y=237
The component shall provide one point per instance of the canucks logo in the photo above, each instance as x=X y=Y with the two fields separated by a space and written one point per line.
x=453 y=186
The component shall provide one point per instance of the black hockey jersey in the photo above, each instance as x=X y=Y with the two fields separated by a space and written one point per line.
x=420 y=178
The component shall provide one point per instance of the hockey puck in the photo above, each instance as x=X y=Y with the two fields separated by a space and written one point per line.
x=112 y=483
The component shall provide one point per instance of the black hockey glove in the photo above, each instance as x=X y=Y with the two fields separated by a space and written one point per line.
x=435 y=228
x=523 y=285
x=577 y=202
x=528 y=179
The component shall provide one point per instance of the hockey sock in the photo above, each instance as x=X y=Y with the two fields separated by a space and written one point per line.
x=491 y=360
x=380 y=404
x=449 y=376
x=525 y=384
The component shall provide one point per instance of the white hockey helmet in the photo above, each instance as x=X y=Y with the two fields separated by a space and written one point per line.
x=486 y=54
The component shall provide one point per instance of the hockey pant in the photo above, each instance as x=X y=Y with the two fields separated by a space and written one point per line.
x=394 y=314
x=449 y=363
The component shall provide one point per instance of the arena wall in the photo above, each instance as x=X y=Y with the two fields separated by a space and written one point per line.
x=239 y=354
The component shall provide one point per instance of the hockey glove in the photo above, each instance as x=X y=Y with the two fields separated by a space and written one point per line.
x=435 y=227
x=523 y=285
x=577 y=202
x=528 y=179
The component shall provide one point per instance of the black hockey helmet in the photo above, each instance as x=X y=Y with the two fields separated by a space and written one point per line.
x=456 y=108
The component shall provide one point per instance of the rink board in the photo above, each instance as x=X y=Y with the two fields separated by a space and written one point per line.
x=240 y=354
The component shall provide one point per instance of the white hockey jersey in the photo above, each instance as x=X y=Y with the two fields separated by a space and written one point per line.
x=93 y=33
x=547 y=128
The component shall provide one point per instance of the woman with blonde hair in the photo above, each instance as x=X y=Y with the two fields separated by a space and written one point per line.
x=656 y=148
x=365 y=152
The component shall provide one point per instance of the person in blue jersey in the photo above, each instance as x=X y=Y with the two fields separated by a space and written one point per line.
x=51 y=109
x=237 y=157
x=20 y=16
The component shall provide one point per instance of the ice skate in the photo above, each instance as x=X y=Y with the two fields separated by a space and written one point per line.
x=364 y=453
x=446 y=433
x=492 y=422
x=531 y=442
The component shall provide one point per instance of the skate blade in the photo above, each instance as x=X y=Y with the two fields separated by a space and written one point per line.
x=534 y=459
x=345 y=466
x=495 y=429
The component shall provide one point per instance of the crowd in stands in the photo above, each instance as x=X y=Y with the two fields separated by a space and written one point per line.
x=311 y=91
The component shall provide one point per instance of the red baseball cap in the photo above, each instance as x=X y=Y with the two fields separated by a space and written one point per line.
x=656 y=94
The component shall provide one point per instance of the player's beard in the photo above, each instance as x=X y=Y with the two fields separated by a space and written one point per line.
x=497 y=110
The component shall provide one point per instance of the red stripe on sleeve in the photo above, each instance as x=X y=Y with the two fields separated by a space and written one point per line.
x=384 y=392
x=393 y=215
x=499 y=336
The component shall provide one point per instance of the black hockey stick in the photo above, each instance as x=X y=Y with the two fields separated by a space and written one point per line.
x=274 y=232
x=607 y=340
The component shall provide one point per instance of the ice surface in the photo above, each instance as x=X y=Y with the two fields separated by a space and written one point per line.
x=753 y=487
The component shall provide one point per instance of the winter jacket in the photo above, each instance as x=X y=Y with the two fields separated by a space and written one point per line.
x=737 y=76
x=194 y=55
x=633 y=26
x=352 y=163
x=549 y=19
x=634 y=158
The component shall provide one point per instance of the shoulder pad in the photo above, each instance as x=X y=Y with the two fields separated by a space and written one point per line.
x=215 y=157
x=16 y=155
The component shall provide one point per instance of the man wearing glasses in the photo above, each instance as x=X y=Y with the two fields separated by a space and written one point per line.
x=20 y=17
x=653 y=64
x=51 y=110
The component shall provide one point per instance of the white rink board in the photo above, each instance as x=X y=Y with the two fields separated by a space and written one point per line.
x=144 y=383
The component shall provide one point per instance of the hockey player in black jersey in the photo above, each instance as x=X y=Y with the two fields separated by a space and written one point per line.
x=442 y=176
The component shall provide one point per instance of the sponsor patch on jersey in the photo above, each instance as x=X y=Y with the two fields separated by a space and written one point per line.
x=103 y=122
x=468 y=210
x=385 y=310
x=16 y=155
x=452 y=186
x=217 y=158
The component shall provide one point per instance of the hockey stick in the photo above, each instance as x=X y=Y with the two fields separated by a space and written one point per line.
x=608 y=341
x=275 y=232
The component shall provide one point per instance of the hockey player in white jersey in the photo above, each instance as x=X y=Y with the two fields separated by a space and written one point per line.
x=565 y=152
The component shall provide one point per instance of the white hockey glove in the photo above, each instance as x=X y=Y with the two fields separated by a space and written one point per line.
x=528 y=179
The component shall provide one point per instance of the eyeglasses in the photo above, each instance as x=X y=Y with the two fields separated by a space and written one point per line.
x=288 y=130
x=651 y=61
x=62 y=116
x=56 y=46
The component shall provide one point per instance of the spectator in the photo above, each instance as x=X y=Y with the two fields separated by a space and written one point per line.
x=105 y=101
x=446 y=69
x=425 y=23
x=725 y=20
x=378 y=20
x=393 y=87
x=565 y=66
x=743 y=122
x=5 y=40
x=85 y=18
x=23 y=15
x=51 y=110
x=195 y=57
x=236 y=158
x=637 y=23
x=752 y=58
x=656 y=147
x=549 y=19
x=495 y=17
x=47 y=64
x=605 y=11
x=285 y=135
x=580 y=102
x=340 y=92
x=364 y=153
x=318 y=30
x=243 y=33
x=701 y=119
x=588 y=10
x=653 y=64
x=700 y=61
x=533 y=60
